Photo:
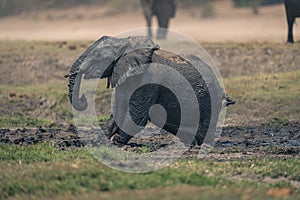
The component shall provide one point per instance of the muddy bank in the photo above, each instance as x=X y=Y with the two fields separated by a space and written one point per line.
x=234 y=142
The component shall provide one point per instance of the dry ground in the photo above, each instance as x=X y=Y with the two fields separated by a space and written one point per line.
x=81 y=23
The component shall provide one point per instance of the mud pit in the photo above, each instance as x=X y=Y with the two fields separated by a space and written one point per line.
x=234 y=143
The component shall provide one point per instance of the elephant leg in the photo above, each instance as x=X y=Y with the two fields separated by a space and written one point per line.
x=121 y=138
x=290 y=17
x=207 y=129
x=115 y=134
x=148 y=12
x=163 y=23
x=255 y=10
x=111 y=127
x=149 y=24
x=206 y=119
x=209 y=116
x=290 y=30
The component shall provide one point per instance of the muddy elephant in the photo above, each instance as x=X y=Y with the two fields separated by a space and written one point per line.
x=164 y=10
x=144 y=76
x=292 y=8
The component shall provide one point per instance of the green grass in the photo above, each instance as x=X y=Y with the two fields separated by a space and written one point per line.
x=45 y=152
x=267 y=98
x=43 y=170
x=22 y=121
x=29 y=112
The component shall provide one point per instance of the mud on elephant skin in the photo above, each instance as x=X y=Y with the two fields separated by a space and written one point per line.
x=292 y=8
x=127 y=63
x=163 y=10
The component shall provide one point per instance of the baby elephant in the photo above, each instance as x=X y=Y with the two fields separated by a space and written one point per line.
x=178 y=94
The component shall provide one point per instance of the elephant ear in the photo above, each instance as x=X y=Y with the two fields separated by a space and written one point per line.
x=127 y=54
x=79 y=67
x=134 y=61
x=110 y=58
x=101 y=57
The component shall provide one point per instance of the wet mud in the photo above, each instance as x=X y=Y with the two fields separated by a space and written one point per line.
x=233 y=143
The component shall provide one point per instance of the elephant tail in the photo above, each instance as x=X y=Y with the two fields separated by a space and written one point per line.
x=228 y=100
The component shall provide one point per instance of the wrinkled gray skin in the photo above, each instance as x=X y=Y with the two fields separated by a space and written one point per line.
x=292 y=8
x=112 y=58
x=163 y=10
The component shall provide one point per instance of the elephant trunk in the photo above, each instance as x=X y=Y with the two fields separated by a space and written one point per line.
x=78 y=103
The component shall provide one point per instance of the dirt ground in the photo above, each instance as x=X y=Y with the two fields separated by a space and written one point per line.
x=234 y=142
x=241 y=138
x=83 y=23
x=86 y=23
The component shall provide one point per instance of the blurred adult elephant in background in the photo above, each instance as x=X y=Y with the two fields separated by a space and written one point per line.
x=292 y=8
x=7 y=7
x=163 y=10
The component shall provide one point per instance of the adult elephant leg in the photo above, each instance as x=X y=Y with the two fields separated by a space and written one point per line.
x=147 y=10
x=290 y=30
x=163 y=23
x=290 y=17
x=149 y=24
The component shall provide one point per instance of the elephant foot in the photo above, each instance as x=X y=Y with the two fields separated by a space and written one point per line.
x=161 y=37
x=121 y=138
x=115 y=134
x=161 y=34
x=198 y=140
x=290 y=39
x=150 y=36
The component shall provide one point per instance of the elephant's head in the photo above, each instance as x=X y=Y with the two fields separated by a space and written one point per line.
x=111 y=58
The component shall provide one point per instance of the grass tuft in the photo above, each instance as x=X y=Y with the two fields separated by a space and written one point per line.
x=23 y=121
